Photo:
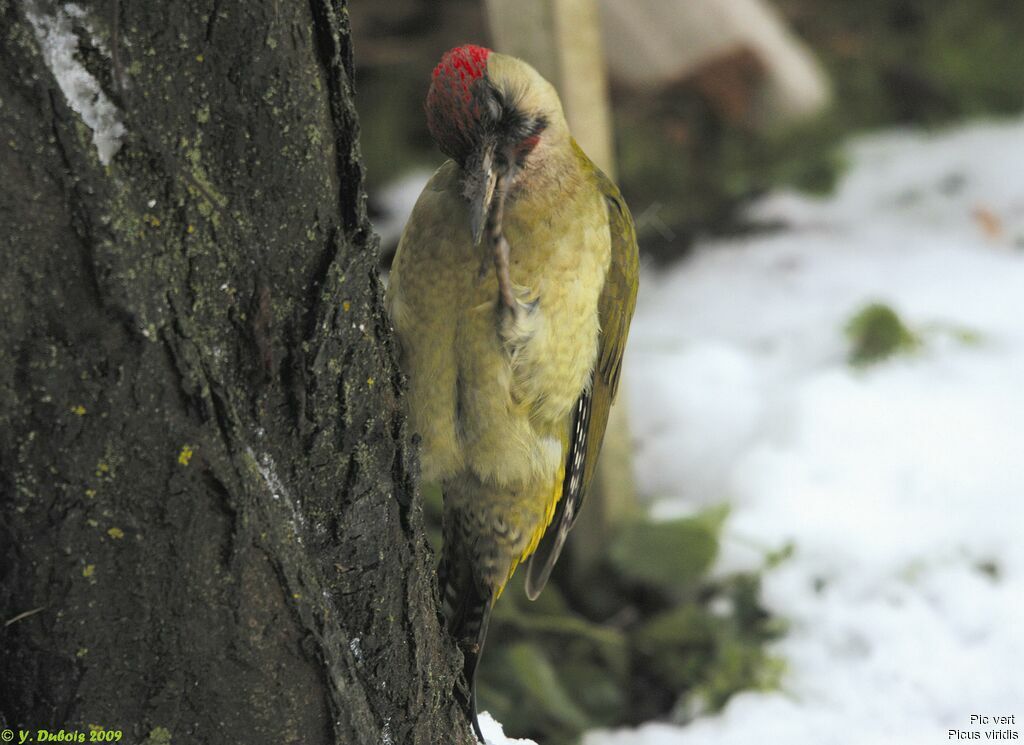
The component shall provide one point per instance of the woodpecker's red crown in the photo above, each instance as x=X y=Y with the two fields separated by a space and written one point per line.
x=460 y=62
x=452 y=108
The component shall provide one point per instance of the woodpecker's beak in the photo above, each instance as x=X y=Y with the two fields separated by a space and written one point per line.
x=484 y=179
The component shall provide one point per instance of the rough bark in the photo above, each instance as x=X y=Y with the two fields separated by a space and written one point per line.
x=209 y=529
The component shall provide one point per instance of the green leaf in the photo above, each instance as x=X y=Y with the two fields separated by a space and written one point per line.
x=678 y=646
x=599 y=689
x=687 y=625
x=674 y=553
x=537 y=683
x=877 y=333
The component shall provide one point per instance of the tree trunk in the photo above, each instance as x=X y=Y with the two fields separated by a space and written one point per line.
x=210 y=530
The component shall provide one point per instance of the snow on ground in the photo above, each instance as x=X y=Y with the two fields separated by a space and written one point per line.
x=495 y=735
x=900 y=486
x=398 y=198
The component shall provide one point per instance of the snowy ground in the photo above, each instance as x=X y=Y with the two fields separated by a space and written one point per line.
x=901 y=487
x=495 y=735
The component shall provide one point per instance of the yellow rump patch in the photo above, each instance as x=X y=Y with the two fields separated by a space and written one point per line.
x=538 y=533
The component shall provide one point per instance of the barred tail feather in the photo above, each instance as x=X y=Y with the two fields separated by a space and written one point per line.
x=467 y=612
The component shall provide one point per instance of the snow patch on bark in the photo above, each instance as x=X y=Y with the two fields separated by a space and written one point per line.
x=59 y=46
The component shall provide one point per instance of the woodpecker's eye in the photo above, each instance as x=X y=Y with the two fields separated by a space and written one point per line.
x=537 y=128
x=494 y=107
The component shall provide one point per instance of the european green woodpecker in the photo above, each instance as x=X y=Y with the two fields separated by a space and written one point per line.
x=512 y=371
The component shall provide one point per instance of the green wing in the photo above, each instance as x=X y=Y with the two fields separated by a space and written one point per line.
x=590 y=417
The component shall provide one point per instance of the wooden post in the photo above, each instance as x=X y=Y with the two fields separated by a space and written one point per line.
x=562 y=40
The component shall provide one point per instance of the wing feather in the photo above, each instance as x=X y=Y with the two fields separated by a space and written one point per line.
x=590 y=416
